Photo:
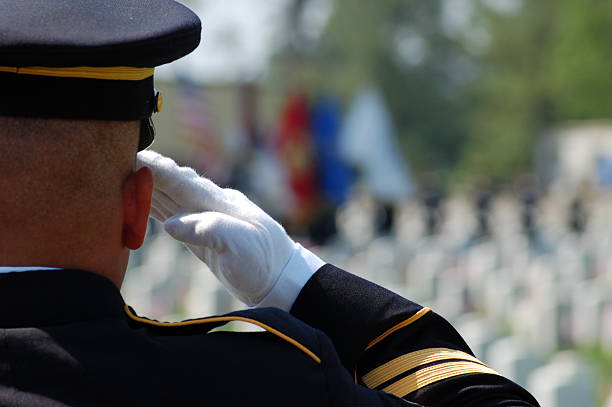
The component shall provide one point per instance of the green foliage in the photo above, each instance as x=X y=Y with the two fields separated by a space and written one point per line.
x=512 y=96
x=581 y=63
x=550 y=62
x=462 y=110
x=352 y=46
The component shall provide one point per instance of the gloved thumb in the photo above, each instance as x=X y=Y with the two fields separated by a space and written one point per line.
x=213 y=230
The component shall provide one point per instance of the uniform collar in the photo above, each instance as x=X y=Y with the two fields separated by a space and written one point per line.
x=47 y=297
x=11 y=269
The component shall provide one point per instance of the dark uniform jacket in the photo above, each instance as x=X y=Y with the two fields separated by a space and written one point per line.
x=67 y=339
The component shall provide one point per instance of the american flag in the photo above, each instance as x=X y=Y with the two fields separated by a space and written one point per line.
x=198 y=124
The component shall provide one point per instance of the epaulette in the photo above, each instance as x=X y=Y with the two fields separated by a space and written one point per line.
x=272 y=320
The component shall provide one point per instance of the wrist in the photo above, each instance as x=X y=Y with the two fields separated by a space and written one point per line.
x=301 y=266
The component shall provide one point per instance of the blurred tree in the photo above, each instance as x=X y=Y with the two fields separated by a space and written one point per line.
x=512 y=100
x=581 y=63
x=424 y=76
x=548 y=62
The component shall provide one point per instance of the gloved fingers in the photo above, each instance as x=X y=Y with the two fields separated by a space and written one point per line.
x=167 y=207
x=177 y=182
x=184 y=185
x=213 y=230
x=240 y=201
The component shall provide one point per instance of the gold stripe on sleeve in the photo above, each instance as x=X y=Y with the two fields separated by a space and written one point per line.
x=115 y=73
x=281 y=335
x=410 y=361
x=433 y=374
x=401 y=325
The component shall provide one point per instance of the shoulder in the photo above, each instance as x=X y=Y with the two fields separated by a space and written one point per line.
x=280 y=326
x=288 y=355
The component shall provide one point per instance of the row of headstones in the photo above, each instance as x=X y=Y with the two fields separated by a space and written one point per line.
x=356 y=222
x=550 y=306
x=459 y=216
x=593 y=247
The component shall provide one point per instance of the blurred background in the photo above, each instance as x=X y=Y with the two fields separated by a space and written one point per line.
x=458 y=152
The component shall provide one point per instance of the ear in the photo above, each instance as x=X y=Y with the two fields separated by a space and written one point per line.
x=137 y=191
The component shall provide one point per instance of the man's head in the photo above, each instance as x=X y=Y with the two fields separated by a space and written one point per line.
x=77 y=78
x=70 y=195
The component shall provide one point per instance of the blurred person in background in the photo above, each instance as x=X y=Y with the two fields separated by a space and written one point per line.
x=432 y=199
x=77 y=108
x=483 y=205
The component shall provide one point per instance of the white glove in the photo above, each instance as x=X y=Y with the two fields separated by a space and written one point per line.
x=247 y=250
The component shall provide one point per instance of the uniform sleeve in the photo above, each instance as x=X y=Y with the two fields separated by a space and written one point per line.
x=340 y=388
x=393 y=345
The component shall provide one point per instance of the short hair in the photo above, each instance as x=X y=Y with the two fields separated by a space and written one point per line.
x=53 y=169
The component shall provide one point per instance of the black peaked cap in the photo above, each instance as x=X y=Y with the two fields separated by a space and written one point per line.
x=89 y=59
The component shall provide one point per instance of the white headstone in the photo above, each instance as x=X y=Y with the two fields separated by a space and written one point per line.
x=478 y=334
x=479 y=263
x=450 y=300
x=500 y=296
x=422 y=274
x=565 y=382
x=459 y=220
x=409 y=224
x=355 y=220
x=512 y=359
x=381 y=261
x=588 y=305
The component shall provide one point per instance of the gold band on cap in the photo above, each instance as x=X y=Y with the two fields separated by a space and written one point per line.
x=115 y=73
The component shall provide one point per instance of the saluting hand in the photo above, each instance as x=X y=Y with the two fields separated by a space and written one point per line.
x=247 y=250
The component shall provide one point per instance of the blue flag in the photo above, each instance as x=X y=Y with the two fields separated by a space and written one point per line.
x=334 y=176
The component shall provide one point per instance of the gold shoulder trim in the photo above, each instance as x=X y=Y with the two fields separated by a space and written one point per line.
x=401 y=325
x=116 y=73
x=411 y=361
x=281 y=335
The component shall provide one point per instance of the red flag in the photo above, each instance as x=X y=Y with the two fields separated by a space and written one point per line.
x=295 y=149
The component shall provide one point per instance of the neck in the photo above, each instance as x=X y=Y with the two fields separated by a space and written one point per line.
x=19 y=253
x=77 y=243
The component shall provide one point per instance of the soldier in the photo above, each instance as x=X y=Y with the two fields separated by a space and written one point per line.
x=77 y=100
